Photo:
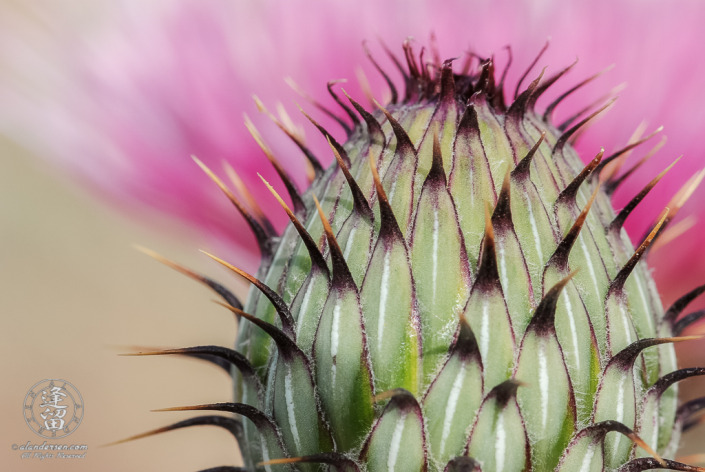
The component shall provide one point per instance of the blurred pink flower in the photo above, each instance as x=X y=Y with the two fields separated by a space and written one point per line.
x=121 y=94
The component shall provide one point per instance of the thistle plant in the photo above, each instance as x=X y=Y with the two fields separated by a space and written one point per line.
x=454 y=293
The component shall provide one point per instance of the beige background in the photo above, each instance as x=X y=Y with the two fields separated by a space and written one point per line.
x=74 y=294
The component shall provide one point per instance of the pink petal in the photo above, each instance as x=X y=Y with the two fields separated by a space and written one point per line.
x=121 y=95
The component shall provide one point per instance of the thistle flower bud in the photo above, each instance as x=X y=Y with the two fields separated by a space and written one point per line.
x=455 y=293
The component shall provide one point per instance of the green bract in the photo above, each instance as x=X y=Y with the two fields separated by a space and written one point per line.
x=464 y=298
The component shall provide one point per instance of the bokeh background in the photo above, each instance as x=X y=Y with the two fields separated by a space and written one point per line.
x=75 y=295
x=102 y=103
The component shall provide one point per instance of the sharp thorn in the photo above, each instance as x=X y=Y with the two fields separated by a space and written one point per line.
x=404 y=144
x=549 y=109
x=353 y=117
x=285 y=343
x=224 y=468
x=543 y=319
x=253 y=414
x=242 y=189
x=687 y=321
x=374 y=129
x=505 y=391
x=264 y=240
x=560 y=257
x=626 y=358
x=447 y=92
x=626 y=149
x=563 y=139
x=671 y=378
x=436 y=174
x=295 y=137
x=487 y=272
x=337 y=460
x=502 y=213
x=528 y=69
x=465 y=344
x=681 y=197
x=600 y=430
x=389 y=226
x=612 y=168
x=613 y=183
x=228 y=296
x=522 y=102
x=299 y=207
x=364 y=84
x=611 y=95
x=295 y=87
x=672 y=232
x=503 y=77
x=360 y=203
x=314 y=252
x=616 y=225
x=279 y=304
x=232 y=425
x=341 y=273
x=390 y=83
x=521 y=171
x=228 y=356
x=328 y=136
x=617 y=284
x=548 y=83
x=679 y=305
x=568 y=194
